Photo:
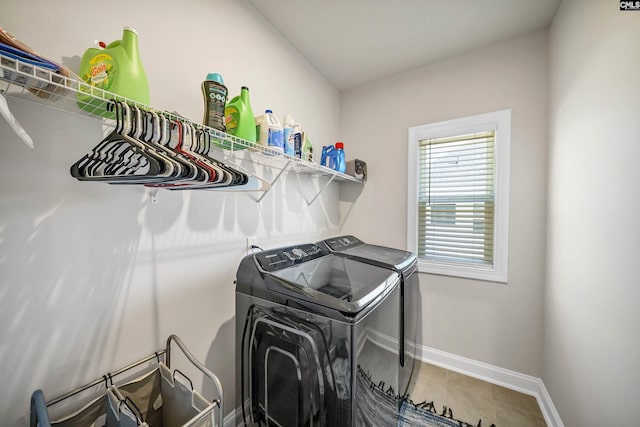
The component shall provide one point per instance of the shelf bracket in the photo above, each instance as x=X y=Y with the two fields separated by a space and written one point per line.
x=309 y=202
x=259 y=199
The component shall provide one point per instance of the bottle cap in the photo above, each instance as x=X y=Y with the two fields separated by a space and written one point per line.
x=215 y=77
x=339 y=145
x=268 y=112
x=133 y=30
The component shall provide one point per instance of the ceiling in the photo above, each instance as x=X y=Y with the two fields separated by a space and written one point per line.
x=352 y=42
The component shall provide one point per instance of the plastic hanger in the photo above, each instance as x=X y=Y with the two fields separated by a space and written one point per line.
x=200 y=175
x=118 y=158
x=233 y=176
x=148 y=148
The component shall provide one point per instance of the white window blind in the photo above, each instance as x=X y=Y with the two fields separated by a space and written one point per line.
x=456 y=206
x=458 y=196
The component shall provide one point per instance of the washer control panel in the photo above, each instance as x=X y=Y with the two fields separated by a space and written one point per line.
x=277 y=259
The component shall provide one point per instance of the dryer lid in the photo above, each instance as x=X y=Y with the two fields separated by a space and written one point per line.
x=379 y=255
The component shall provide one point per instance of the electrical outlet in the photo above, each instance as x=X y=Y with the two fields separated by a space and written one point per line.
x=251 y=240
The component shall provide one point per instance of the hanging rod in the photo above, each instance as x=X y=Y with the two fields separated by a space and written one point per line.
x=104 y=378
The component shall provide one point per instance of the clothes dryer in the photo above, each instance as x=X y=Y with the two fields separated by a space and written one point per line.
x=405 y=264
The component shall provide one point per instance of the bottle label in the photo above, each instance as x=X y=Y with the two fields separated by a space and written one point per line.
x=101 y=71
x=307 y=150
x=231 y=117
x=217 y=95
x=288 y=140
x=297 y=144
x=276 y=139
x=215 y=108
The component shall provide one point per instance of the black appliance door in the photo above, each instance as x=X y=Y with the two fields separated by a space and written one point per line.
x=289 y=383
x=339 y=283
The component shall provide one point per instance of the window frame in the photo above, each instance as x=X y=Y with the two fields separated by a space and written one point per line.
x=501 y=122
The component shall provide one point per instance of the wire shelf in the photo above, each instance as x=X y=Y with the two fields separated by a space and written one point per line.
x=71 y=94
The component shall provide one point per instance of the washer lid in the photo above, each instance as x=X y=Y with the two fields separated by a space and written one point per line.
x=336 y=282
x=379 y=255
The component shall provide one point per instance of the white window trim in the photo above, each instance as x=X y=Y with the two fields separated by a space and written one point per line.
x=500 y=121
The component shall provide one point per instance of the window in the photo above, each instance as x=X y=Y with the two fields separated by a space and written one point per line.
x=458 y=207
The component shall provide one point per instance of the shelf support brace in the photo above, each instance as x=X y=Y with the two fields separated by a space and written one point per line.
x=259 y=199
x=309 y=202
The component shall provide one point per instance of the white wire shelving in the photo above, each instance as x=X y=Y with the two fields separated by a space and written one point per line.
x=71 y=94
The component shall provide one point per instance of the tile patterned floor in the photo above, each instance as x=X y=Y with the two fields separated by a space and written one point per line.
x=471 y=399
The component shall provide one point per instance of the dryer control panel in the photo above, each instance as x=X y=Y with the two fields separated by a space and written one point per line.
x=277 y=259
x=342 y=243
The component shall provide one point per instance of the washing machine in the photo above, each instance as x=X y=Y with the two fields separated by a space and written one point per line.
x=406 y=265
x=304 y=320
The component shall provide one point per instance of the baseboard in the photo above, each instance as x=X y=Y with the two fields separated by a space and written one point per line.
x=230 y=419
x=551 y=415
x=517 y=381
x=513 y=380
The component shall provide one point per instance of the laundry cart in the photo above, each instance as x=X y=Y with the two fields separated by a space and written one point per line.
x=153 y=394
x=303 y=321
x=405 y=263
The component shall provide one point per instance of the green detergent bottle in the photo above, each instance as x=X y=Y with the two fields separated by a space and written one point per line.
x=239 y=119
x=117 y=69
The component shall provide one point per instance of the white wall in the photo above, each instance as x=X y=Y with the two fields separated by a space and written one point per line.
x=592 y=350
x=494 y=323
x=92 y=276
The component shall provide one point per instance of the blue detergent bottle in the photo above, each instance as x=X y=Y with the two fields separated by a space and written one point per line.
x=333 y=157
x=325 y=157
x=341 y=164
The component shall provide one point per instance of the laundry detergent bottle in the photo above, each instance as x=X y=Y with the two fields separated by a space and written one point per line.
x=341 y=164
x=287 y=134
x=333 y=157
x=307 y=148
x=215 y=98
x=269 y=131
x=327 y=157
x=298 y=139
x=117 y=69
x=239 y=119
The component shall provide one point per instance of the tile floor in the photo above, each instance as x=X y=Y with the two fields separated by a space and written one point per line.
x=471 y=399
